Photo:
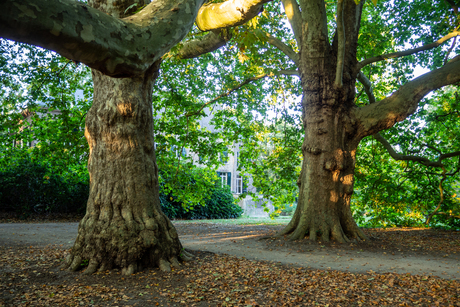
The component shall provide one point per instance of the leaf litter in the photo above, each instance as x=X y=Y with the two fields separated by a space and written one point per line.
x=31 y=276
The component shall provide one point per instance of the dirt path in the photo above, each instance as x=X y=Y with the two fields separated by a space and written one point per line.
x=385 y=253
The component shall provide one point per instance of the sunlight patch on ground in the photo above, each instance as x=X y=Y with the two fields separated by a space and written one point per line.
x=282 y=220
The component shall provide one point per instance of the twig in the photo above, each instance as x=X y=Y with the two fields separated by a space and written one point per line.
x=57 y=75
x=446 y=59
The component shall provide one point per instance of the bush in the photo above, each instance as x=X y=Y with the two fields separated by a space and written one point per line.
x=221 y=205
x=27 y=186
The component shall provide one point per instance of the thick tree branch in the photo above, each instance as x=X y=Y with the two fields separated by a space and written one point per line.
x=291 y=8
x=395 y=108
x=367 y=86
x=277 y=43
x=422 y=160
x=407 y=52
x=195 y=47
x=314 y=14
x=341 y=44
x=116 y=47
x=226 y=14
x=218 y=17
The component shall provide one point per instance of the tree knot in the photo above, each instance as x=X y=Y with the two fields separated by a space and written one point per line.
x=313 y=150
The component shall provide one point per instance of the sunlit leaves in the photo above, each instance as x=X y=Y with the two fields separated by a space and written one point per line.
x=398 y=193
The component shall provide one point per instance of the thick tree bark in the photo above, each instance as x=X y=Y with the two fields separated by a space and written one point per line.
x=97 y=37
x=329 y=147
x=123 y=226
x=327 y=176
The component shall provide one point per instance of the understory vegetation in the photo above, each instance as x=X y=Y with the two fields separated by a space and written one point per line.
x=29 y=187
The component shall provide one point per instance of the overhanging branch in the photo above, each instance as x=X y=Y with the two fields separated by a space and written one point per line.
x=422 y=160
x=385 y=113
x=407 y=52
x=195 y=47
x=116 y=47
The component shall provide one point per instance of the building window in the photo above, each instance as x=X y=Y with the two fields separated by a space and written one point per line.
x=241 y=186
x=225 y=179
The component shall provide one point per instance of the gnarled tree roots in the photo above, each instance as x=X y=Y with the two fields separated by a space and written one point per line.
x=325 y=231
x=101 y=247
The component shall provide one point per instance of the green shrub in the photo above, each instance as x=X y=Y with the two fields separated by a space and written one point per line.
x=221 y=205
x=27 y=186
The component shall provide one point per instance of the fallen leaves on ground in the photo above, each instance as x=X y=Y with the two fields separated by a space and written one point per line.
x=410 y=240
x=31 y=276
x=417 y=239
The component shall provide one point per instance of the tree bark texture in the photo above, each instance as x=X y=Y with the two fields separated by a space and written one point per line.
x=329 y=147
x=124 y=226
x=326 y=180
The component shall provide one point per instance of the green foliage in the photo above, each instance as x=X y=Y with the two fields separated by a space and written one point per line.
x=404 y=193
x=216 y=202
x=28 y=186
x=38 y=105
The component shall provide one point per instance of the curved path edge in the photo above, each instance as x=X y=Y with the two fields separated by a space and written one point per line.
x=248 y=246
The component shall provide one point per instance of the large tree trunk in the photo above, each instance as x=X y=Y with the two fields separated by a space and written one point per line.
x=329 y=147
x=326 y=180
x=124 y=226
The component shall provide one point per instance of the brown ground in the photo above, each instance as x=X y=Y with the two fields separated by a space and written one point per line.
x=30 y=274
